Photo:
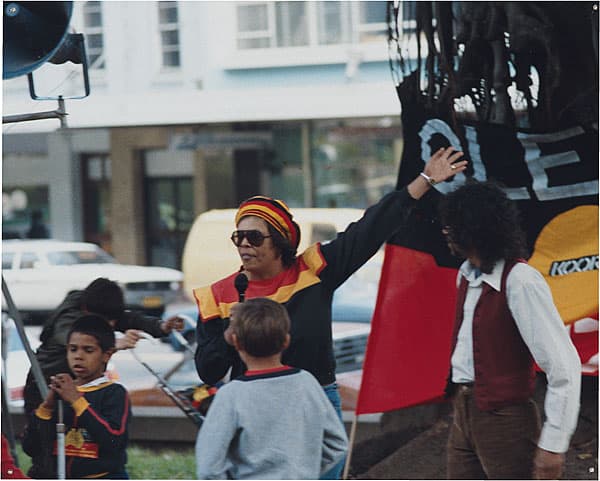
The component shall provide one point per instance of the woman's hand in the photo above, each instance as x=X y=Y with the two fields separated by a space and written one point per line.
x=441 y=166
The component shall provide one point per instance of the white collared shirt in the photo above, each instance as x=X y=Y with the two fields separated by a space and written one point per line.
x=542 y=329
x=96 y=382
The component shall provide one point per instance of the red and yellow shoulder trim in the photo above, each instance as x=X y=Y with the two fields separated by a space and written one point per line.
x=216 y=300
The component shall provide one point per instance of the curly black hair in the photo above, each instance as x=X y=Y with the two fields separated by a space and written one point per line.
x=479 y=217
x=283 y=246
x=105 y=297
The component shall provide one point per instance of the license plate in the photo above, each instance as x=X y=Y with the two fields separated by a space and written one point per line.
x=152 y=301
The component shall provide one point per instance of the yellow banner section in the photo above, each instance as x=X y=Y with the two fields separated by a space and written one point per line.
x=566 y=253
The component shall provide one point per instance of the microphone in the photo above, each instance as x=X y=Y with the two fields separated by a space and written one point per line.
x=241 y=284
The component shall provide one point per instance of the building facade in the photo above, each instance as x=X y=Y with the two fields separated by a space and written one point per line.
x=197 y=105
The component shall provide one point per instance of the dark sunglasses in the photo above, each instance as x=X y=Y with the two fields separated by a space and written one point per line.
x=254 y=237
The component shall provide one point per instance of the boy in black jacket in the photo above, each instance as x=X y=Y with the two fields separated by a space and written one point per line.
x=105 y=298
x=96 y=411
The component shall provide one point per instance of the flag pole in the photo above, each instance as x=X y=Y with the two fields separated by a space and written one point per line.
x=350 y=446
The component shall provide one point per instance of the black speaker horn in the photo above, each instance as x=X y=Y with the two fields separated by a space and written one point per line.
x=33 y=33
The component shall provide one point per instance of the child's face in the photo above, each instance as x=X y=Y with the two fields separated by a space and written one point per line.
x=85 y=357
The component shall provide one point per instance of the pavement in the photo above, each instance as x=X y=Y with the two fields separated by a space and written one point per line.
x=405 y=450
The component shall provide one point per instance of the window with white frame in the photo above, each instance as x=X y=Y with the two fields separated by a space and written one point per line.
x=291 y=24
x=168 y=22
x=372 y=25
x=94 y=37
x=334 y=23
x=255 y=28
x=301 y=23
x=272 y=24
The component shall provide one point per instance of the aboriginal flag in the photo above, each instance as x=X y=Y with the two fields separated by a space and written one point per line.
x=552 y=175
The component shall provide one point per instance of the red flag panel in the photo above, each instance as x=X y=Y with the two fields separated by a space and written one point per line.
x=409 y=346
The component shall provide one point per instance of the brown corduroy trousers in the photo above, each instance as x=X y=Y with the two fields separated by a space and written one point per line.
x=497 y=444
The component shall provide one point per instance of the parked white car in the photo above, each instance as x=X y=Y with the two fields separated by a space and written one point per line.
x=13 y=355
x=40 y=273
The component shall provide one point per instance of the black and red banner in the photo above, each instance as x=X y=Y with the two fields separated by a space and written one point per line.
x=553 y=176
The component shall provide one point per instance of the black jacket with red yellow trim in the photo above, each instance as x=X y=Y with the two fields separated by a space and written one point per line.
x=305 y=289
x=96 y=433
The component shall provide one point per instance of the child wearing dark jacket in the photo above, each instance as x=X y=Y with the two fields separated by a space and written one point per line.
x=96 y=410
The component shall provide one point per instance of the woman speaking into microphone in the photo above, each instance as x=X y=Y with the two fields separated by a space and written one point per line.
x=267 y=239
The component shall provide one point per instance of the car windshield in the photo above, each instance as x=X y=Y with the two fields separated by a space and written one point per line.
x=67 y=258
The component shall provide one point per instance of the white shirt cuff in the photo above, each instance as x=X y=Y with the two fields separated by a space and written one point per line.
x=554 y=440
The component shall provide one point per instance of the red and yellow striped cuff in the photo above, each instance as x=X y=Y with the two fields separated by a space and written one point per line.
x=43 y=413
x=80 y=405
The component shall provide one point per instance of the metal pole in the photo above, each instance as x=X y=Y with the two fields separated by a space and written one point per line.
x=62 y=112
x=39 y=377
x=59 y=113
x=60 y=443
x=188 y=410
x=35 y=365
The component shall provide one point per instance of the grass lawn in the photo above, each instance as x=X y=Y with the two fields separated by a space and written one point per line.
x=145 y=463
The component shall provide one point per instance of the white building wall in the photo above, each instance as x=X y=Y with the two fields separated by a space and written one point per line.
x=216 y=82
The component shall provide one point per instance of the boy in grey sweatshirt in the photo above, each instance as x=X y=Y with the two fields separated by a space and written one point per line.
x=274 y=421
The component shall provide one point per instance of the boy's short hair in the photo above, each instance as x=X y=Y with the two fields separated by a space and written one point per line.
x=104 y=297
x=261 y=326
x=95 y=326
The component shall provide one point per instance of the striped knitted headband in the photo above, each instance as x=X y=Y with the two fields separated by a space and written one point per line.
x=275 y=213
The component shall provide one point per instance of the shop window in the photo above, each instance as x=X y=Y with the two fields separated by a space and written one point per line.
x=169 y=219
x=169 y=212
x=96 y=200
x=284 y=165
x=22 y=207
x=354 y=162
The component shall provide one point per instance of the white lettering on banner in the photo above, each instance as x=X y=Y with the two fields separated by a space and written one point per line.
x=536 y=163
x=515 y=193
x=437 y=126
x=569 y=266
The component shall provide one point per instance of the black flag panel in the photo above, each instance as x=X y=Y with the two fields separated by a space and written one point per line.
x=513 y=85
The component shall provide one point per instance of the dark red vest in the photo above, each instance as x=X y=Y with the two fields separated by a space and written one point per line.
x=504 y=368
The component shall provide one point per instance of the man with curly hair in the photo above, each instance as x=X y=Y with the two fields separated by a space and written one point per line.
x=506 y=322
